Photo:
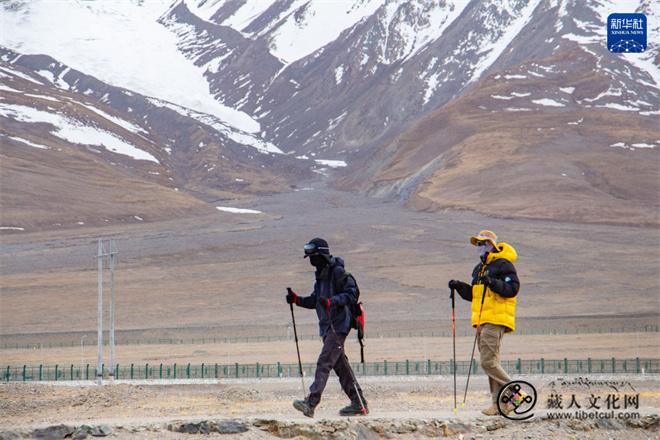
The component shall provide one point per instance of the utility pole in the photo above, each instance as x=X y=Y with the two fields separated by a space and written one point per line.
x=82 y=353
x=111 y=339
x=111 y=253
x=99 y=317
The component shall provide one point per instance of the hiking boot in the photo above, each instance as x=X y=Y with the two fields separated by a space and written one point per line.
x=494 y=411
x=354 y=409
x=304 y=407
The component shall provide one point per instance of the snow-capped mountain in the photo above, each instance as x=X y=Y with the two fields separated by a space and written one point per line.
x=287 y=87
x=377 y=65
x=99 y=153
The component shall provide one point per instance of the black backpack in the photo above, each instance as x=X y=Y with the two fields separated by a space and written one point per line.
x=357 y=310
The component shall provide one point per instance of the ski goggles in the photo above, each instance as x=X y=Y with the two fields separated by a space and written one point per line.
x=313 y=249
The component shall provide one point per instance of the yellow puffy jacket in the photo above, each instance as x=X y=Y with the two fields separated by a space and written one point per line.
x=499 y=305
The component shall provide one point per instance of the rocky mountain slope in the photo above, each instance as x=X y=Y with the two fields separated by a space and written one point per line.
x=78 y=151
x=242 y=97
x=414 y=92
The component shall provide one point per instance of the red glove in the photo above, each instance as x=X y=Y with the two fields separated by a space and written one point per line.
x=326 y=302
x=292 y=297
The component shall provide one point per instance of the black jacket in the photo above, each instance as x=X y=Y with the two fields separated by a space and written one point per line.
x=326 y=287
x=503 y=279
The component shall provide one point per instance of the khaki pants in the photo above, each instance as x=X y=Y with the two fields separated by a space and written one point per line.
x=489 y=340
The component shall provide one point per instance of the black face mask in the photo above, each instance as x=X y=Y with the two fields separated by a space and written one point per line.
x=318 y=261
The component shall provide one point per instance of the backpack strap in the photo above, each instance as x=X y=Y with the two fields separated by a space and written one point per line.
x=340 y=280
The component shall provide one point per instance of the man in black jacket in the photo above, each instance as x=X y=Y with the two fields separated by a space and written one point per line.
x=332 y=297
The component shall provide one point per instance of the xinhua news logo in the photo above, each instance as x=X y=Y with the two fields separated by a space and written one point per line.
x=626 y=33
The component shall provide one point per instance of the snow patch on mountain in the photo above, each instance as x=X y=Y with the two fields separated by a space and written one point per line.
x=74 y=131
x=119 y=42
x=115 y=120
x=27 y=142
x=339 y=74
x=493 y=48
x=547 y=102
x=240 y=137
x=299 y=30
x=47 y=98
x=8 y=89
x=412 y=25
x=331 y=163
x=237 y=210
x=12 y=72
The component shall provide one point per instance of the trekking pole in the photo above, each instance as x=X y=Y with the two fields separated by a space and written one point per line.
x=295 y=334
x=453 y=330
x=476 y=334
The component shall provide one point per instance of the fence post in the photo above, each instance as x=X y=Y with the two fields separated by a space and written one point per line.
x=428 y=366
x=188 y=370
x=385 y=367
x=146 y=371
x=589 y=365
x=637 y=366
x=257 y=371
x=236 y=370
x=202 y=370
x=71 y=372
x=174 y=372
x=24 y=373
x=216 y=371
x=41 y=371
x=279 y=370
x=132 y=371
x=519 y=366
x=613 y=365
x=56 y=367
x=542 y=366
x=407 y=367
x=565 y=366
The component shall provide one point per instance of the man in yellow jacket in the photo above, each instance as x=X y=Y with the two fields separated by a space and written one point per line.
x=493 y=295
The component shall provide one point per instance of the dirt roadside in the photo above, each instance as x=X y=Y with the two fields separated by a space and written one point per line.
x=405 y=408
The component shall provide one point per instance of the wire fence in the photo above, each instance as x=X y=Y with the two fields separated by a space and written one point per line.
x=287 y=337
x=147 y=371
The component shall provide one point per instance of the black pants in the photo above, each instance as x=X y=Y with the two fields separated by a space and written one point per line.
x=332 y=357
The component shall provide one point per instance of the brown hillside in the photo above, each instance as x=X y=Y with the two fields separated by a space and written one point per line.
x=566 y=157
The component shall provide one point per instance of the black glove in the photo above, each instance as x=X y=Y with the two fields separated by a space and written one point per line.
x=291 y=296
x=453 y=284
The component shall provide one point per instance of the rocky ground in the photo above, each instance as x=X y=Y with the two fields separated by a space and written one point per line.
x=401 y=408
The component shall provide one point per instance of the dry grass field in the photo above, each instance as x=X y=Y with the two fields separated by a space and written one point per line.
x=225 y=275
x=596 y=346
